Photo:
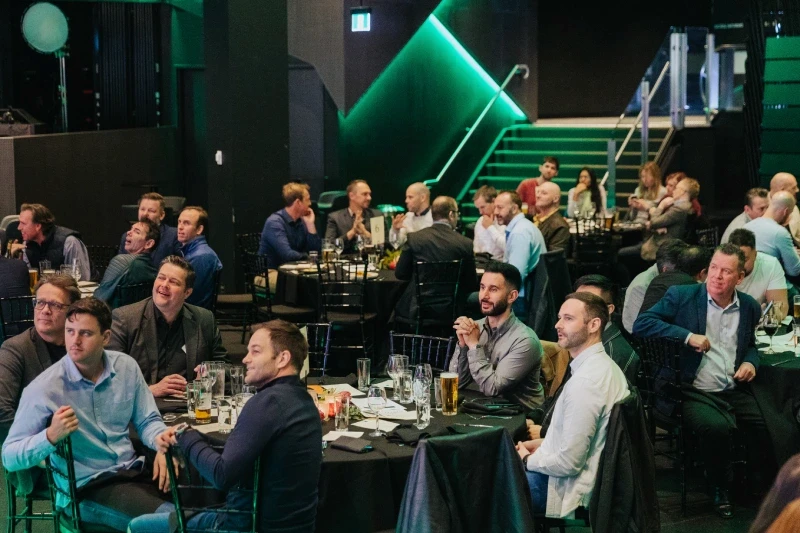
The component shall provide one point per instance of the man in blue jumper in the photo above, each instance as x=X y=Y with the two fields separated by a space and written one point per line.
x=280 y=424
x=192 y=224
x=289 y=234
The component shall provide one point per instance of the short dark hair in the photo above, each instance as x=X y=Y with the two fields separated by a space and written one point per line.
x=551 y=159
x=40 y=215
x=509 y=272
x=487 y=192
x=180 y=262
x=732 y=249
x=607 y=287
x=63 y=282
x=752 y=194
x=286 y=336
x=442 y=206
x=693 y=259
x=595 y=306
x=743 y=237
x=152 y=231
x=92 y=306
x=353 y=184
x=668 y=253
x=514 y=196
x=156 y=197
x=202 y=216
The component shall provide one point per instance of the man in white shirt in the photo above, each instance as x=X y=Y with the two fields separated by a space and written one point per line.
x=418 y=202
x=763 y=275
x=783 y=181
x=562 y=467
x=666 y=261
x=490 y=236
x=756 y=202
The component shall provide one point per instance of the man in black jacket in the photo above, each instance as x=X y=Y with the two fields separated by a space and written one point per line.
x=280 y=425
x=439 y=242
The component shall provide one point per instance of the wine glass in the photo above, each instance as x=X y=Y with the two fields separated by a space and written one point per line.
x=393 y=239
x=208 y=374
x=76 y=270
x=771 y=325
x=338 y=247
x=376 y=399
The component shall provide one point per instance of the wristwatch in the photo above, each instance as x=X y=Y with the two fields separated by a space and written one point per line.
x=525 y=460
x=180 y=429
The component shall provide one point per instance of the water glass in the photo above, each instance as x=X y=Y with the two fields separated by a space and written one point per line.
x=423 y=411
x=190 y=399
x=224 y=417
x=437 y=389
x=44 y=265
x=313 y=257
x=237 y=378
x=219 y=383
x=342 y=413
x=363 y=366
x=406 y=387
x=202 y=403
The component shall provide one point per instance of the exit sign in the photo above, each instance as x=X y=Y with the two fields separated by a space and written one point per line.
x=360 y=18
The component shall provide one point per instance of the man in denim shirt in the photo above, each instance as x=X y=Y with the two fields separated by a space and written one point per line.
x=92 y=396
x=192 y=223
x=289 y=234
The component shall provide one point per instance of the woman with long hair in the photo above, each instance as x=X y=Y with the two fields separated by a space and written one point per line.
x=648 y=194
x=785 y=490
x=586 y=196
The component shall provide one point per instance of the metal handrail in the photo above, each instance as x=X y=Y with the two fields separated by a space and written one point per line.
x=632 y=129
x=516 y=69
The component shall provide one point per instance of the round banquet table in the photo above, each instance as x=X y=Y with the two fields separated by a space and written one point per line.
x=362 y=492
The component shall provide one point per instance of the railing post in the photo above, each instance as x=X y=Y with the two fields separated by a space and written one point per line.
x=611 y=181
x=645 y=131
x=712 y=77
x=678 y=51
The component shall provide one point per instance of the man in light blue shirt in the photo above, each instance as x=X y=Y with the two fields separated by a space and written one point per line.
x=774 y=239
x=524 y=241
x=92 y=396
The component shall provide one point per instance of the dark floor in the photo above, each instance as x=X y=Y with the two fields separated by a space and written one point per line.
x=699 y=516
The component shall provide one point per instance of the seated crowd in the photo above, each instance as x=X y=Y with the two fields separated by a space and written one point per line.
x=89 y=369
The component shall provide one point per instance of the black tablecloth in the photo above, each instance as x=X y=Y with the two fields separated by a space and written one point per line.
x=777 y=390
x=363 y=492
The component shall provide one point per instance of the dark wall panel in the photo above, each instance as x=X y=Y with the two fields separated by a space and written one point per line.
x=80 y=176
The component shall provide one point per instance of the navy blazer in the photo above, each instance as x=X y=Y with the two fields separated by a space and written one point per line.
x=683 y=310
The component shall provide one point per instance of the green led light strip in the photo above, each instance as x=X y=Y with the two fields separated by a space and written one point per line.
x=474 y=64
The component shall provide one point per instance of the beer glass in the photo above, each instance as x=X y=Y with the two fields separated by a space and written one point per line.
x=202 y=402
x=33 y=278
x=363 y=366
x=342 y=420
x=796 y=310
x=449 y=393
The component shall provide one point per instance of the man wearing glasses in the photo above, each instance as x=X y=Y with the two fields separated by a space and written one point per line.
x=437 y=243
x=28 y=354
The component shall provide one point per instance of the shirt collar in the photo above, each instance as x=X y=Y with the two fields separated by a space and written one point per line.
x=514 y=221
x=733 y=305
x=423 y=213
x=284 y=214
x=294 y=379
x=443 y=221
x=582 y=357
x=74 y=375
x=540 y=219
x=502 y=328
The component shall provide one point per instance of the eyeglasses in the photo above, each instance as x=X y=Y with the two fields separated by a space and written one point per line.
x=54 y=306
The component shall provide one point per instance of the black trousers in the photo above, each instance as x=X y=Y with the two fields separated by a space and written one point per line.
x=714 y=433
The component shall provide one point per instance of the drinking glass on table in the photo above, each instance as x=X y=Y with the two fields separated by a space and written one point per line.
x=191 y=399
x=406 y=387
x=771 y=325
x=424 y=372
x=76 y=270
x=363 y=366
x=422 y=399
x=202 y=405
x=376 y=399
x=33 y=278
x=338 y=247
x=237 y=379
x=224 y=417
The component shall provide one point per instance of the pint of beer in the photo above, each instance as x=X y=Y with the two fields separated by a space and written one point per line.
x=202 y=406
x=327 y=256
x=33 y=278
x=449 y=393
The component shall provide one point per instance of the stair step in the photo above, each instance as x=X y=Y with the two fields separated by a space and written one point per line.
x=532 y=169
x=605 y=133
x=581 y=158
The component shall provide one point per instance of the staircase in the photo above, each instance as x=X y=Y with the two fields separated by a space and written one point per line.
x=519 y=150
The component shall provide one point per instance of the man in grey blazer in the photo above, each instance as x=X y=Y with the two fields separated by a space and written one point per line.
x=25 y=356
x=352 y=221
x=164 y=334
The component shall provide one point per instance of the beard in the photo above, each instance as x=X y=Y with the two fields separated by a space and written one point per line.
x=496 y=310
x=574 y=340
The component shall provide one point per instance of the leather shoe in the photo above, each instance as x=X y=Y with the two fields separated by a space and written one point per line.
x=722 y=503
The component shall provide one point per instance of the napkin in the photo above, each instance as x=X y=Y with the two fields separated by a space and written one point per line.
x=333 y=435
x=499 y=409
x=409 y=435
x=383 y=425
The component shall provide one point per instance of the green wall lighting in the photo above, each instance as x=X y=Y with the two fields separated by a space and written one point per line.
x=474 y=64
x=360 y=18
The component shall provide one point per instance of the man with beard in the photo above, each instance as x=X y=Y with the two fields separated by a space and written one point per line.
x=499 y=353
x=562 y=467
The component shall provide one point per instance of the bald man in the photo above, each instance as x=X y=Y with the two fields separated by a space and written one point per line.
x=783 y=181
x=771 y=237
x=554 y=228
x=418 y=203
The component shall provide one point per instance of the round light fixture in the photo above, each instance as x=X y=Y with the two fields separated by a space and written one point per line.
x=44 y=27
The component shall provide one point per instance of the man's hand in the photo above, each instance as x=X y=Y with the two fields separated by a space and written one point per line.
x=700 y=343
x=397 y=221
x=63 y=425
x=309 y=219
x=15 y=248
x=467 y=331
x=746 y=373
x=487 y=221
x=666 y=202
x=160 y=471
x=172 y=384
x=534 y=431
x=165 y=439
x=528 y=447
